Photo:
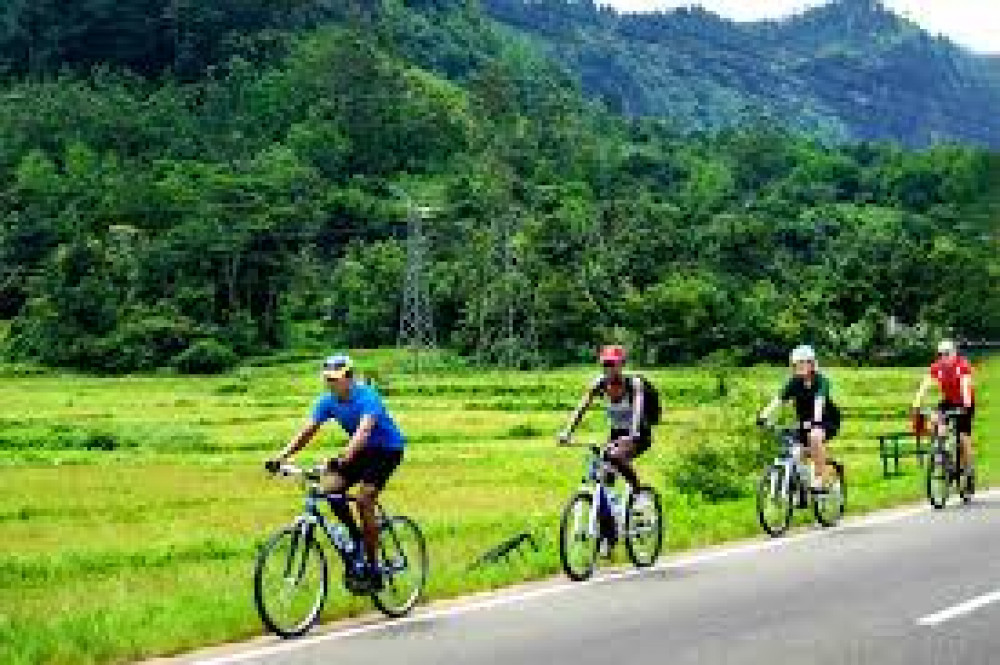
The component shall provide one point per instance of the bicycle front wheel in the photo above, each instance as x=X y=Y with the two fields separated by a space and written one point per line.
x=577 y=540
x=938 y=478
x=403 y=564
x=829 y=506
x=290 y=582
x=774 y=501
x=644 y=527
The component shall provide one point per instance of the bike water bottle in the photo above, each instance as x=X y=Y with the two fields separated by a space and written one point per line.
x=616 y=507
x=342 y=539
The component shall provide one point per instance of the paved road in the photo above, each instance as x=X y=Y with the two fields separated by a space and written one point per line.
x=884 y=590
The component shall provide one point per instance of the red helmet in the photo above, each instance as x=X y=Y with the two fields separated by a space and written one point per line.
x=612 y=354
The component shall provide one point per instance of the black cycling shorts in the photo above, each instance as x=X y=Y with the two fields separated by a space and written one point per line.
x=830 y=427
x=963 y=421
x=372 y=466
x=641 y=446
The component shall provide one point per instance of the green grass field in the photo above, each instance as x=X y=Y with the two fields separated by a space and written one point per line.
x=130 y=509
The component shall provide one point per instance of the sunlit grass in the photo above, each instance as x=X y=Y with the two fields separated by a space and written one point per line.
x=145 y=545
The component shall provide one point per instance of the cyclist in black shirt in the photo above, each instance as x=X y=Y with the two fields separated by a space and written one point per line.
x=815 y=410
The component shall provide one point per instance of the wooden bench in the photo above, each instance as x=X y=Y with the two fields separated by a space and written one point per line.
x=893 y=446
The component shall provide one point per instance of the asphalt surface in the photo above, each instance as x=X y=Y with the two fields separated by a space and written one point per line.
x=875 y=590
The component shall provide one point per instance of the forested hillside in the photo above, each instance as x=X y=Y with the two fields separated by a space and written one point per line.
x=190 y=187
x=849 y=70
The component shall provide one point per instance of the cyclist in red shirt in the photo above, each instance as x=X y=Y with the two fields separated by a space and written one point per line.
x=953 y=374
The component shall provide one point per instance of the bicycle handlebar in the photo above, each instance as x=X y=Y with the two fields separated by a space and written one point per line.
x=292 y=471
x=947 y=413
x=595 y=448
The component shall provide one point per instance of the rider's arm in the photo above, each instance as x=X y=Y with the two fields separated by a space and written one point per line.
x=300 y=440
x=925 y=385
x=360 y=437
x=768 y=410
x=636 y=407
x=585 y=403
x=818 y=409
x=779 y=399
x=822 y=395
x=967 y=390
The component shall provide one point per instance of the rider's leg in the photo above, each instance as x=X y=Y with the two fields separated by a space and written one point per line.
x=817 y=450
x=335 y=483
x=968 y=459
x=620 y=455
x=367 y=504
x=964 y=424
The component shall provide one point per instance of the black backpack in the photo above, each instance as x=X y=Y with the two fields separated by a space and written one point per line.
x=651 y=409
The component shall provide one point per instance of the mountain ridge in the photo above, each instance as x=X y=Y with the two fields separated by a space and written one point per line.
x=846 y=70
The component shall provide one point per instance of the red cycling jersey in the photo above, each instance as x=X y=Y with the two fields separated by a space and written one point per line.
x=948 y=374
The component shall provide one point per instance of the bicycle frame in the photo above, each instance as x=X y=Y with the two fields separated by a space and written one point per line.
x=312 y=517
x=788 y=461
x=946 y=437
x=597 y=470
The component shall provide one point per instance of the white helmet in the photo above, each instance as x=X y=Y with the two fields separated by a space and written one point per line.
x=803 y=353
x=947 y=346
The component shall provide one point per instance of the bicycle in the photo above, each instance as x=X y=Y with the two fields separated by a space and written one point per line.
x=944 y=467
x=637 y=516
x=291 y=573
x=787 y=479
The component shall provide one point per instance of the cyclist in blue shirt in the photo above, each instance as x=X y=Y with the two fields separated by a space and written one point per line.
x=373 y=452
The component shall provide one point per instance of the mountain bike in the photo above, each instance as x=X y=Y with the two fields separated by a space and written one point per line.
x=785 y=485
x=944 y=467
x=599 y=511
x=291 y=577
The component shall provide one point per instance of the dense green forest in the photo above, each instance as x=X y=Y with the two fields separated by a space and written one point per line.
x=186 y=184
x=847 y=70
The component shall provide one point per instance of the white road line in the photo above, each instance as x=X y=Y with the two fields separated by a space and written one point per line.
x=967 y=607
x=508 y=597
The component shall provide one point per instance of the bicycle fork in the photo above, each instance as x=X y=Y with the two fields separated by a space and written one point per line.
x=785 y=481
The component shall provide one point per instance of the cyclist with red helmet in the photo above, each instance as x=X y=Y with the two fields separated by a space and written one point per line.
x=953 y=375
x=631 y=432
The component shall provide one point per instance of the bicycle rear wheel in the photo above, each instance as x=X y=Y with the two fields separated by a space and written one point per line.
x=938 y=478
x=403 y=564
x=577 y=541
x=966 y=485
x=774 y=504
x=290 y=582
x=829 y=506
x=644 y=527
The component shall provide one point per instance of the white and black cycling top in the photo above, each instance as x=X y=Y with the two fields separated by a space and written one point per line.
x=621 y=412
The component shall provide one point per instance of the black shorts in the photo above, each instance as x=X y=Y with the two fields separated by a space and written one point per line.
x=372 y=466
x=963 y=421
x=830 y=427
x=641 y=446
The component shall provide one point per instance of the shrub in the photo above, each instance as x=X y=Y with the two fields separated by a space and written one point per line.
x=718 y=470
x=206 y=356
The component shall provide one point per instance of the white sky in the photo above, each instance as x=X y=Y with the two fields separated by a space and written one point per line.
x=972 y=23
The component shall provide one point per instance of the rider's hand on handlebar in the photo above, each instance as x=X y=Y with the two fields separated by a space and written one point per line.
x=272 y=465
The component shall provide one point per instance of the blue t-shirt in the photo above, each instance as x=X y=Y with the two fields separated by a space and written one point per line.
x=362 y=401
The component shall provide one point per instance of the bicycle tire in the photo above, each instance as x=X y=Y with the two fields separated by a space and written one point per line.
x=392 y=555
x=938 y=478
x=784 y=513
x=633 y=523
x=261 y=597
x=835 y=496
x=966 y=486
x=579 y=504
